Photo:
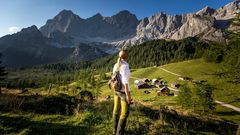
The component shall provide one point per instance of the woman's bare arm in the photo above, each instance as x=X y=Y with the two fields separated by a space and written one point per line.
x=128 y=95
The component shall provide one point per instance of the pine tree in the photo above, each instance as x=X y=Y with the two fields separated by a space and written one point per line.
x=232 y=58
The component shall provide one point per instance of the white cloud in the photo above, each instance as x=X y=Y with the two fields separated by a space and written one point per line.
x=14 y=29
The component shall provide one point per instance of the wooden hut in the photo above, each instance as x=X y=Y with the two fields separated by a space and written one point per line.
x=175 y=85
x=146 y=80
x=164 y=91
x=184 y=78
x=155 y=81
x=139 y=84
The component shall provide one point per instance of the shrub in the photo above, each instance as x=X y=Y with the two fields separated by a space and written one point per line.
x=202 y=97
x=51 y=105
x=184 y=97
x=197 y=97
x=86 y=95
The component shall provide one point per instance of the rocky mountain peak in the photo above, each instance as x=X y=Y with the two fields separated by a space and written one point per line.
x=66 y=12
x=125 y=27
x=66 y=21
x=30 y=31
x=206 y=11
x=122 y=17
x=227 y=11
x=232 y=5
x=94 y=29
x=26 y=35
x=124 y=13
x=66 y=15
x=97 y=16
x=206 y=23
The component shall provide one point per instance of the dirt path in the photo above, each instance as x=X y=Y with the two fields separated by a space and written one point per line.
x=228 y=105
x=169 y=72
x=216 y=101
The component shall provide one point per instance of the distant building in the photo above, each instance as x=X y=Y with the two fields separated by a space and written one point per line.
x=155 y=81
x=185 y=78
x=164 y=91
x=175 y=85
x=139 y=84
x=146 y=80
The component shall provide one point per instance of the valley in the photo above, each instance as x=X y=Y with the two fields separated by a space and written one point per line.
x=184 y=68
x=99 y=110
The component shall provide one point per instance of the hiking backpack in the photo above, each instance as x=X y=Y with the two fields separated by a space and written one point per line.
x=115 y=82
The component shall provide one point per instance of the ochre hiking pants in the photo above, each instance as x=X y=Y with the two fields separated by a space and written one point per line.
x=120 y=114
x=121 y=107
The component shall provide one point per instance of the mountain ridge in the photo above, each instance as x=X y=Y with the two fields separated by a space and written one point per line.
x=29 y=47
x=207 y=22
x=93 y=29
x=101 y=35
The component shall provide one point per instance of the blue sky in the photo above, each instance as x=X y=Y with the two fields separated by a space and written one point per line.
x=17 y=14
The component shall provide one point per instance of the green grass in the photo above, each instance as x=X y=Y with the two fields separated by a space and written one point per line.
x=25 y=114
x=196 y=69
x=199 y=70
x=95 y=119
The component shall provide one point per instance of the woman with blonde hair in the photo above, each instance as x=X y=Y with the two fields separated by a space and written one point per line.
x=122 y=99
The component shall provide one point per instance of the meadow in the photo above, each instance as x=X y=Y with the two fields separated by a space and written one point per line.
x=65 y=111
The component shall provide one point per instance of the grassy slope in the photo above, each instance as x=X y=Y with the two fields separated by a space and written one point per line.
x=96 y=119
x=200 y=70
x=196 y=69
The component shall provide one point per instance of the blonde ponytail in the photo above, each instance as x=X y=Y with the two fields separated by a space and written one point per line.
x=119 y=63
x=121 y=56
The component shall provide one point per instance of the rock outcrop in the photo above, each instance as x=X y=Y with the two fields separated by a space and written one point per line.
x=97 y=28
x=207 y=24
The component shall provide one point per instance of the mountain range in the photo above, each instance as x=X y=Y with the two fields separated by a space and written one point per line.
x=97 y=28
x=70 y=37
x=29 y=47
x=208 y=24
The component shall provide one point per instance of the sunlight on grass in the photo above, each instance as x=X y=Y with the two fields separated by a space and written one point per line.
x=196 y=69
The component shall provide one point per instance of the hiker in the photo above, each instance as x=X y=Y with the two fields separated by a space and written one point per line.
x=122 y=99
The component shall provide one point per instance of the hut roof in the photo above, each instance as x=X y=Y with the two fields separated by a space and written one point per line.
x=155 y=80
x=138 y=82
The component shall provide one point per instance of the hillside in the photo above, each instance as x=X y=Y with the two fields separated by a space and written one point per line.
x=198 y=70
x=65 y=111
x=184 y=64
x=29 y=47
x=159 y=52
x=66 y=36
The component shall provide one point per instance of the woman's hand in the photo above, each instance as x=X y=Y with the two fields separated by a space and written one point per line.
x=129 y=100
x=128 y=95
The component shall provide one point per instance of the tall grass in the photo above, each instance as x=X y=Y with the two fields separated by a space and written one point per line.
x=96 y=118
